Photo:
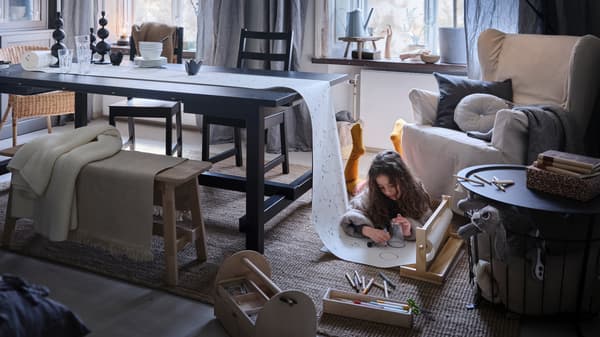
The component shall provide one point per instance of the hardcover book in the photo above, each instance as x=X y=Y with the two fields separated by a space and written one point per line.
x=584 y=164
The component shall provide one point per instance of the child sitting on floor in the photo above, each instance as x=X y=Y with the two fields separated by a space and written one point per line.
x=391 y=197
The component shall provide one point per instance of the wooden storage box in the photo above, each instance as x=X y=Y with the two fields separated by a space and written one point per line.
x=249 y=304
x=341 y=303
x=582 y=189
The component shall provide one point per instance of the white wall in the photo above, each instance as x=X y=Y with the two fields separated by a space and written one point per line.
x=384 y=99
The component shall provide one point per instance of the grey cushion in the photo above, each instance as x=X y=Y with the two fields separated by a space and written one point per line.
x=476 y=112
x=454 y=88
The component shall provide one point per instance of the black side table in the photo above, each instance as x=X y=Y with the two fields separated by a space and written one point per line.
x=554 y=206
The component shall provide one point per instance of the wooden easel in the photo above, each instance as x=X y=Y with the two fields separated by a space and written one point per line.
x=437 y=268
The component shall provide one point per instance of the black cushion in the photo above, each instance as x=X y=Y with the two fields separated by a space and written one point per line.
x=453 y=89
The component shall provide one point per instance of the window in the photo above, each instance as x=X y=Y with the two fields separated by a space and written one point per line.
x=414 y=23
x=173 y=12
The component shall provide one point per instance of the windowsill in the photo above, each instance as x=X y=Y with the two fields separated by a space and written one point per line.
x=397 y=65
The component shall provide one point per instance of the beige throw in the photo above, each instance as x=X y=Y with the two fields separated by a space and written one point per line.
x=44 y=172
x=115 y=202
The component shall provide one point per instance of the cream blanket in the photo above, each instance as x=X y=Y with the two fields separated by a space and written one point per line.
x=44 y=173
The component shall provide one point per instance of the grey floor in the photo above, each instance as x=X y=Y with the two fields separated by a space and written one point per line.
x=115 y=308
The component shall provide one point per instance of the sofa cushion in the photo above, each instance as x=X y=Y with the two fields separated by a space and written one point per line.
x=454 y=88
x=476 y=112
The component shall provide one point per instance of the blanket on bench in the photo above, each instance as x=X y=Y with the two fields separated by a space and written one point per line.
x=44 y=173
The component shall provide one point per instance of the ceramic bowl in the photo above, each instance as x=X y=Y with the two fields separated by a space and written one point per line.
x=150 y=50
x=192 y=66
x=429 y=58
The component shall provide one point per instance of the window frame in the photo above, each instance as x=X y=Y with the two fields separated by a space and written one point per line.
x=326 y=45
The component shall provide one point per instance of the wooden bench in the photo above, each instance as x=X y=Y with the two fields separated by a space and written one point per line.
x=175 y=189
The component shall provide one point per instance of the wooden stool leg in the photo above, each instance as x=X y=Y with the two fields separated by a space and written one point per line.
x=347 y=48
x=49 y=123
x=14 y=130
x=200 y=238
x=9 y=223
x=169 y=232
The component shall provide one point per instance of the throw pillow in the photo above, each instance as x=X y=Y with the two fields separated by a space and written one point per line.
x=454 y=88
x=476 y=112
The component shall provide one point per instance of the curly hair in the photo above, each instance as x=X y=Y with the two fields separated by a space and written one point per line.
x=414 y=201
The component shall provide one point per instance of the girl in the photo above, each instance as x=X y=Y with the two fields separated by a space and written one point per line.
x=392 y=196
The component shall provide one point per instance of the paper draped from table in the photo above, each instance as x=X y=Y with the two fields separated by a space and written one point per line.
x=330 y=200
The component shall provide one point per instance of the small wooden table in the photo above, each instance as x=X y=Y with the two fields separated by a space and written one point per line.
x=360 y=42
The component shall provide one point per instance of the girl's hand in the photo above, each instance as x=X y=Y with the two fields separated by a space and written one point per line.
x=403 y=223
x=377 y=235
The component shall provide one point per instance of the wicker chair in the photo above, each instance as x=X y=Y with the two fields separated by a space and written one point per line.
x=31 y=106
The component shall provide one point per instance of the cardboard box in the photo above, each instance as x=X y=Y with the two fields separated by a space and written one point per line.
x=582 y=189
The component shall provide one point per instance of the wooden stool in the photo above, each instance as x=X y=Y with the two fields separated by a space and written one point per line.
x=177 y=189
x=360 y=42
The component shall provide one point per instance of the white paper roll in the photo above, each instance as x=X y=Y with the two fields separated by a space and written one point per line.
x=437 y=233
x=34 y=60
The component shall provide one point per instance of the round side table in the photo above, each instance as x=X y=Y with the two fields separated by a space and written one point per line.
x=520 y=196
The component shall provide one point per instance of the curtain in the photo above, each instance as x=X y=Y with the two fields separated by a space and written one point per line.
x=481 y=15
x=77 y=18
x=219 y=24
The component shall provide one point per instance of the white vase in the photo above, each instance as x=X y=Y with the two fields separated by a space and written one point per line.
x=453 y=46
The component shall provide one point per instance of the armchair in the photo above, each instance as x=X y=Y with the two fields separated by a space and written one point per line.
x=559 y=70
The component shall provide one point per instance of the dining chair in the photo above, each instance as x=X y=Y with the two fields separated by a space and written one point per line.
x=172 y=39
x=47 y=104
x=265 y=40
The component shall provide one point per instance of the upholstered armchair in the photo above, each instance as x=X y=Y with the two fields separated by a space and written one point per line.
x=558 y=70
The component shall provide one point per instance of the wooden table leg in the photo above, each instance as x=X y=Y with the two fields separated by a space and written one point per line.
x=374 y=45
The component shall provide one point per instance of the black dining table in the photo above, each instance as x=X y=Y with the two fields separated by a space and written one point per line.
x=221 y=101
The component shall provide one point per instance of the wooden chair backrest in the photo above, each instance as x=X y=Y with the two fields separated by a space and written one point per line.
x=154 y=31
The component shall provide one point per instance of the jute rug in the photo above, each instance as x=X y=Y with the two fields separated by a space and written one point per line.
x=293 y=250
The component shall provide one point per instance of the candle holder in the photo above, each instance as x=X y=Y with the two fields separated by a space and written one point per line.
x=92 y=44
x=102 y=47
x=58 y=35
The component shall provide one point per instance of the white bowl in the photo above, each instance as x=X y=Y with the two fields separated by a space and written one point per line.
x=150 y=50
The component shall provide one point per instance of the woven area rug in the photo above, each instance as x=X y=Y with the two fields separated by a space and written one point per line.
x=293 y=249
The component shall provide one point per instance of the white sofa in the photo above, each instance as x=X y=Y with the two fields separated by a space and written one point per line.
x=562 y=70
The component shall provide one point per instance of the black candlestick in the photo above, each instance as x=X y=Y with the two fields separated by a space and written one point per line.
x=102 y=47
x=92 y=44
x=59 y=35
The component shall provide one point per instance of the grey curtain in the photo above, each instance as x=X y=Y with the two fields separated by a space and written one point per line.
x=481 y=15
x=76 y=15
x=219 y=24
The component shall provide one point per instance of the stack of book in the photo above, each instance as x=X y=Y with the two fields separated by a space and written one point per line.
x=568 y=163
x=565 y=174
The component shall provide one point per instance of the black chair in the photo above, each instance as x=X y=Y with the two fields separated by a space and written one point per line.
x=272 y=118
x=150 y=108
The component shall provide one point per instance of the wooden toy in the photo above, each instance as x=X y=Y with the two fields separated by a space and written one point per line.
x=248 y=303
x=437 y=248
x=366 y=307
